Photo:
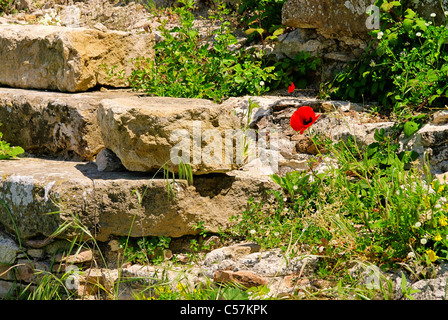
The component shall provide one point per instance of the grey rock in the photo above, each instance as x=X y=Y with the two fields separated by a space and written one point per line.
x=8 y=249
x=106 y=160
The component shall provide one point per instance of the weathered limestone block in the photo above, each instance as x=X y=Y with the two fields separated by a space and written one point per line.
x=341 y=127
x=106 y=203
x=339 y=19
x=332 y=18
x=144 y=132
x=67 y=59
x=53 y=123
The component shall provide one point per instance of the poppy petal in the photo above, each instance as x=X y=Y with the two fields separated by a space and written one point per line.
x=291 y=88
x=303 y=118
x=296 y=121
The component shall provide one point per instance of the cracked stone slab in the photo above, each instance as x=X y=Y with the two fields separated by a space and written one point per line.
x=40 y=195
x=53 y=123
x=144 y=133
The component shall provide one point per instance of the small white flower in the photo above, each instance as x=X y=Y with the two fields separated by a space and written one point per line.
x=418 y=34
x=430 y=22
x=433 y=15
x=285 y=199
x=411 y=255
x=261 y=83
x=380 y=35
x=423 y=241
x=417 y=225
x=446 y=13
x=426 y=24
x=252 y=231
x=295 y=188
x=276 y=234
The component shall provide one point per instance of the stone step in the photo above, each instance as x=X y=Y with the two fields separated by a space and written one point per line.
x=39 y=195
x=53 y=123
x=67 y=59
x=145 y=132
x=139 y=129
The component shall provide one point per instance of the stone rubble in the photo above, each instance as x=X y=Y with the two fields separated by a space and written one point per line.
x=244 y=264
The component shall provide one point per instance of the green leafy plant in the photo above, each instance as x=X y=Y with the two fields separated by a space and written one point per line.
x=8 y=152
x=5 y=6
x=400 y=214
x=145 y=249
x=405 y=67
x=191 y=66
x=200 y=292
x=261 y=19
x=299 y=70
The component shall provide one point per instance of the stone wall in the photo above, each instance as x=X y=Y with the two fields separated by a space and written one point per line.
x=336 y=30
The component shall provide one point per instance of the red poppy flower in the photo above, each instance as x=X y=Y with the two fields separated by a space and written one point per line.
x=291 y=88
x=303 y=118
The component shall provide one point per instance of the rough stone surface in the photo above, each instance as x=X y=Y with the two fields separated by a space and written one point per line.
x=337 y=31
x=107 y=203
x=338 y=126
x=106 y=160
x=432 y=140
x=333 y=18
x=273 y=113
x=339 y=19
x=140 y=131
x=52 y=123
x=8 y=249
x=78 y=257
x=270 y=263
x=67 y=59
x=432 y=289
x=245 y=278
x=426 y=7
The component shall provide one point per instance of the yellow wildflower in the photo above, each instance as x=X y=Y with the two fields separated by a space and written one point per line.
x=443 y=221
x=440 y=189
x=432 y=255
x=438 y=238
x=427 y=201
